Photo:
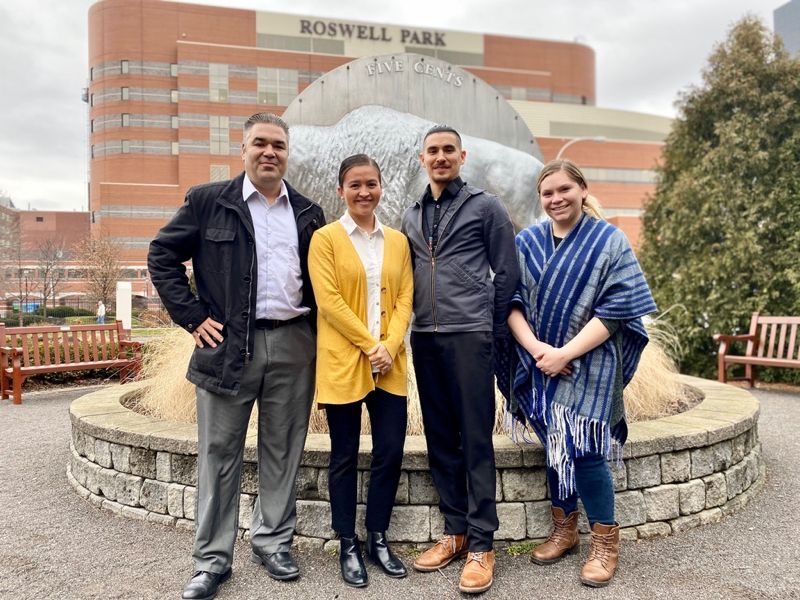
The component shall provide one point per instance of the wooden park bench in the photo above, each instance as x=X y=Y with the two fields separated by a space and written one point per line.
x=28 y=351
x=771 y=342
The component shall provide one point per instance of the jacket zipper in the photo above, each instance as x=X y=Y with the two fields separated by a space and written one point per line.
x=247 y=355
x=433 y=291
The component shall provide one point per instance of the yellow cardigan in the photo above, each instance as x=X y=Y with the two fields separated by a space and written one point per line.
x=344 y=373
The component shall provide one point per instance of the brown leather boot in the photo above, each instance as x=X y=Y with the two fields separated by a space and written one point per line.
x=563 y=539
x=478 y=573
x=442 y=553
x=603 y=556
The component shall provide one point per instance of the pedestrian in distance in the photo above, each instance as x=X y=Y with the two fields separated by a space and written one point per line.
x=101 y=313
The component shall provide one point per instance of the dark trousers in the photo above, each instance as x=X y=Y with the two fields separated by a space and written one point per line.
x=388 y=417
x=594 y=486
x=456 y=393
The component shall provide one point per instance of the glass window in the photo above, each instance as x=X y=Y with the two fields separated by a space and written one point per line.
x=173 y=70
x=220 y=172
x=91 y=125
x=126 y=120
x=283 y=42
x=276 y=87
x=519 y=93
x=219 y=134
x=126 y=146
x=175 y=148
x=217 y=82
x=91 y=73
x=124 y=67
x=125 y=93
x=325 y=46
x=173 y=95
x=174 y=121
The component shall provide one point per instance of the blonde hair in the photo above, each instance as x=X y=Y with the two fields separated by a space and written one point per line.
x=591 y=205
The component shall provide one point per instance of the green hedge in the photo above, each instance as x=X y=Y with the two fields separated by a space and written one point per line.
x=61 y=312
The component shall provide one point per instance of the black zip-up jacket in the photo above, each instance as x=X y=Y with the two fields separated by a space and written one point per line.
x=214 y=229
x=453 y=287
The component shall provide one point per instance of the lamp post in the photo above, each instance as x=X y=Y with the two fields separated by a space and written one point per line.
x=597 y=138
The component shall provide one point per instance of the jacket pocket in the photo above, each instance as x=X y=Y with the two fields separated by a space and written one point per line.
x=462 y=297
x=219 y=249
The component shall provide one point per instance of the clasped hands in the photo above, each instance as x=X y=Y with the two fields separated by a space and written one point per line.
x=552 y=361
x=380 y=358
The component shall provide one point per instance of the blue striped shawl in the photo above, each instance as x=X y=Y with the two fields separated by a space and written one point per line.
x=592 y=273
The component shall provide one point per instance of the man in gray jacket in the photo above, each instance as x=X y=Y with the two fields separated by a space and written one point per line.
x=459 y=236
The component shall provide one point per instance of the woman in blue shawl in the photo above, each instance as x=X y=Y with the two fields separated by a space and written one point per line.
x=576 y=319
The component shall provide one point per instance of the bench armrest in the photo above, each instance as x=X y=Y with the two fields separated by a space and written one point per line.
x=724 y=338
x=9 y=351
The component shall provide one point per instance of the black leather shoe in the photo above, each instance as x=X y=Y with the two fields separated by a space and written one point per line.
x=279 y=565
x=378 y=551
x=354 y=572
x=203 y=585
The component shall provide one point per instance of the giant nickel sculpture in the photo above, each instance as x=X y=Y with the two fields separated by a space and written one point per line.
x=382 y=106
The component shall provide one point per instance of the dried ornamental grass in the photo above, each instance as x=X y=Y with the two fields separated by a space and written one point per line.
x=654 y=392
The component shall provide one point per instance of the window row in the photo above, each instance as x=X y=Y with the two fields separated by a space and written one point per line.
x=128 y=67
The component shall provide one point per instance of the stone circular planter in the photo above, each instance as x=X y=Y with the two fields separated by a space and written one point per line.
x=677 y=472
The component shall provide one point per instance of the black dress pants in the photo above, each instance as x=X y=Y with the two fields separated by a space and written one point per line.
x=388 y=417
x=456 y=392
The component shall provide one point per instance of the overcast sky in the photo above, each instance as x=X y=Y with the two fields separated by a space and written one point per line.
x=647 y=51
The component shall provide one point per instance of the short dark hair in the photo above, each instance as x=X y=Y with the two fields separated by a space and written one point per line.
x=265 y=117
x=357 y=160
x=441 y=129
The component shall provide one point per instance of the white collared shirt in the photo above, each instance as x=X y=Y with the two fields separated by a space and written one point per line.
x=369 y=247
x=280 y=282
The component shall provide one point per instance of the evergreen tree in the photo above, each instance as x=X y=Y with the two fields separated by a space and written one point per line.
x=722 y=232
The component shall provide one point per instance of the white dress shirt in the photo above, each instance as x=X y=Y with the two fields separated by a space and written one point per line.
x=369 y=247
x=280 y=281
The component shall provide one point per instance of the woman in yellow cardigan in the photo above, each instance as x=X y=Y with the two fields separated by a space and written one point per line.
x=363 y=284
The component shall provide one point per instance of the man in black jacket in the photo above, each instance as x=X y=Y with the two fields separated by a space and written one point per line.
x=459 y=235
x=252 y=320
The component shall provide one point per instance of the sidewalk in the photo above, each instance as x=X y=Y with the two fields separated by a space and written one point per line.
x=55 y=545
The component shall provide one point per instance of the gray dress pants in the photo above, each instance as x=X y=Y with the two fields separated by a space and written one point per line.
x=280 y=377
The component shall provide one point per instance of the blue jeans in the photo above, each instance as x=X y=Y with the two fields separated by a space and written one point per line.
x=594 y=486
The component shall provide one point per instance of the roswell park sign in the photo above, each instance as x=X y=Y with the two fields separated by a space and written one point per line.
x=372 y=33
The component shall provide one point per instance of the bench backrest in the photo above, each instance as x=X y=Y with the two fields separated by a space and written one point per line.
x=776 y=337
x=54 y=345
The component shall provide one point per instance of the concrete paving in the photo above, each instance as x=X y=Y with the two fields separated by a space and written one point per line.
x=55 y=545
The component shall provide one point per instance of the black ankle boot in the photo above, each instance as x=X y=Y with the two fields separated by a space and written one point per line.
x=354 y=572
x=379 y=552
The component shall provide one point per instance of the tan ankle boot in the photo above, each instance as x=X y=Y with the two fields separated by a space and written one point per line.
x=603 y=556
x=563 y=539
x=478 y=573
x=442 y=553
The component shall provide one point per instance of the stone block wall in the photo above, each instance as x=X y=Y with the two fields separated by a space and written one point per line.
x=676 y=473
